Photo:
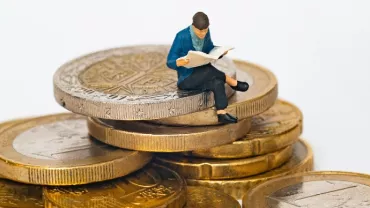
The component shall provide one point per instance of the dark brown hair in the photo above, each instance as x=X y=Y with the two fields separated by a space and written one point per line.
x=200 y=20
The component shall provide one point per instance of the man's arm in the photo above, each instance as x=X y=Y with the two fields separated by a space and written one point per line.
x=174 y=53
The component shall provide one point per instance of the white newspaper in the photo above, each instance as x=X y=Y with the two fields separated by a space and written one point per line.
x=199 y=58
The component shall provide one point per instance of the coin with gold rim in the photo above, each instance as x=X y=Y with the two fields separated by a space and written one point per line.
x=272 y=130
x=260 y=96
x=202 y=197
x=56 y=150
x=198 y=168
x=130 y=83
x=144 y=136
x=18 y=195
x=301 y=161
x=152 y=187
x=311 y=190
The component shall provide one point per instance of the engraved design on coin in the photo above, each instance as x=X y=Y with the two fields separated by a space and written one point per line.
x=63 y=140
x=323 y=194
x=20 y=195
x=278 y=119
x=126 y=75
x=141 y=189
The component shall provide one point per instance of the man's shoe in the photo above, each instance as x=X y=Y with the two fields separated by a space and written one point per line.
x=226 y=118
x=241 y=86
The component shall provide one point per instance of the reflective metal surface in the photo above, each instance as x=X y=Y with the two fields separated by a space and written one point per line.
x=312 y=190
x=276 y=128
x=301 y=161
x=56 y=150
x=129 y=83
x=17 y=195
x=198 y=168
x=144 y=136
x=260 y=96
x=201 y=197
x=153 y=186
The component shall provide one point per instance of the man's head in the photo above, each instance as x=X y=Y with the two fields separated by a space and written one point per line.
x=200 y=24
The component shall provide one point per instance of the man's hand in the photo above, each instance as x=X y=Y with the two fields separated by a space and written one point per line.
x=182 y=62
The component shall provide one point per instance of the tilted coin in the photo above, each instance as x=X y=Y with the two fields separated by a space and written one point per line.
x=17 y=195
x=271 y=130
x=56 y=150
x=260 y=96
x=198 y=168
x=152 y=187
x=312 y=190
x=301 y=161
x=129 y=83
x=202 y=197
x=144 y=136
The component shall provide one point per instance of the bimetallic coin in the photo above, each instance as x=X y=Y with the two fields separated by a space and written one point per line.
x=312 y=190
x=129 y=83
x=144 y=136
x=201 y=197
x=56 y=150
x=276 y=128
x=17 y=195
x=197 y=168
x=301 y=161
x=152 y=187
x=260 y=96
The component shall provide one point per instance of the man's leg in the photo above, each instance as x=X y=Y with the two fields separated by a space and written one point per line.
x=233 y=83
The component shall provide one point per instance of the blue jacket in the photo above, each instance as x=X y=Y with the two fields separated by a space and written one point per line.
x=180 y=47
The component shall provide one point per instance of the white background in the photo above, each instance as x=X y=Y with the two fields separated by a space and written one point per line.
x=318 y=49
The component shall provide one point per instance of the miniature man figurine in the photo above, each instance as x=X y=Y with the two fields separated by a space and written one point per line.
x=206 y=77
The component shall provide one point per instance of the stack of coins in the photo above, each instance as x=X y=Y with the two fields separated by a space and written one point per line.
x=126 y=106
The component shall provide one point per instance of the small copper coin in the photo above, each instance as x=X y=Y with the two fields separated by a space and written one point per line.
x=144 y=136
x=260 y=96
x=301 y=161
x=312 y=190
x=201 y=197
x=198 y=168
x=56 y=150
x=129 y=83
x=274 y=129
x=152 y=187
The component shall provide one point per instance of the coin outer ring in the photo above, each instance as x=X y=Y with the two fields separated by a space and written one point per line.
x=237 y=188
x=204 y=169
x=112 y=106
x=179 y=200
x=243 y=109
x=39 y=175
x=254 y=146
x=168 y=143
x=288 y=180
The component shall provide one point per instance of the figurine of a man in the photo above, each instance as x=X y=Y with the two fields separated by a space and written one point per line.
x=206 y=77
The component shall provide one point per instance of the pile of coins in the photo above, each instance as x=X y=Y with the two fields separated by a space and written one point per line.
x=133 y=139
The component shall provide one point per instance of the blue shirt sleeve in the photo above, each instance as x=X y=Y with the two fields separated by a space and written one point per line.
x=174 y=53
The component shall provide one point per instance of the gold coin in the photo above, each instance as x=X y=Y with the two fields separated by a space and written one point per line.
x=260 y=96
x=152 y=187
x=17 y=195
x=129 y=83
x=310 y=190
x=301 y=161
x=56 y=150
x=201 y=197
x=198 y=168
x=272 y=130
x=144 y=136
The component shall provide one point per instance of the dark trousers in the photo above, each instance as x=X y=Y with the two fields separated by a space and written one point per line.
x=207 y=77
